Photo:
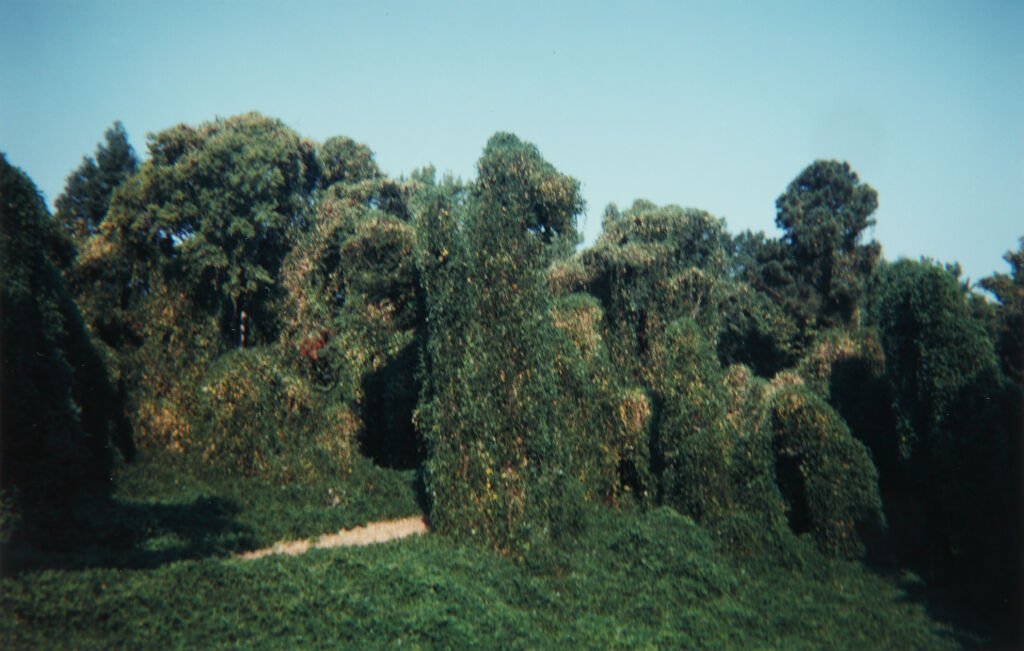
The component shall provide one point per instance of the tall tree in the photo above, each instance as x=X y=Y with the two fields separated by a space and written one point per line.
x=86 y=197
x=824 y=213
x=498 y=467
x=213 y=214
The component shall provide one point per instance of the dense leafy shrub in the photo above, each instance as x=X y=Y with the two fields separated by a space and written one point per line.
x=607 y=424
x=255 y=419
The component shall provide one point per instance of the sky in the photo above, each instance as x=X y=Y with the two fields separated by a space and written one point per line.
x=716 y=105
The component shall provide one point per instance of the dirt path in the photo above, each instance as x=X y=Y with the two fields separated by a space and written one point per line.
x=375 y=532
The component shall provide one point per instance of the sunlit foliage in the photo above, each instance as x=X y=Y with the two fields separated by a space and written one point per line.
x=277 y=314
x=498 y=462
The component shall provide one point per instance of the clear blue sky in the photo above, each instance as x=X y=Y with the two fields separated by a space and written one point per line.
x=717 y=105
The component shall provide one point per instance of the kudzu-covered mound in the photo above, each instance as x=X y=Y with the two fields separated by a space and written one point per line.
x=781 y=455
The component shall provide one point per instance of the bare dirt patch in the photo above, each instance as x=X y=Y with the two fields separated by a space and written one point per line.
x=375 y=532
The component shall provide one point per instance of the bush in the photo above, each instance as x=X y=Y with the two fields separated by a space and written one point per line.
x=255 y=420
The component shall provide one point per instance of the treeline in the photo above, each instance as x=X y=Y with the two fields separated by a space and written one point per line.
x=266 y=305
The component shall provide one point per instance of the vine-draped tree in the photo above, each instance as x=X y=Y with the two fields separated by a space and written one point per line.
x=957 y=425
x=1009 y=291
x=498 y=465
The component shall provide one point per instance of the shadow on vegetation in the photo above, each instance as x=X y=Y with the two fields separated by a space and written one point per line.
x=130 y=535
x=392 y=391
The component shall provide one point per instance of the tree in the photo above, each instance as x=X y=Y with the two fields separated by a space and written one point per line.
x=60 y=413
x=498 y=466
x=343 y=160
x=87 y=193
x=186 y=263
x=1009 y=291
x=957 y=427
x=213 y=214
x=823 y=214
x=650 y=266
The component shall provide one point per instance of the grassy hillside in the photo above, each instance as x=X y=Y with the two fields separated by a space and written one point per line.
x=160 y=571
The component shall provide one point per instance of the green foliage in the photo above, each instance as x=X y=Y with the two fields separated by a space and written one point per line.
x=823 y=212
x=755 y=330
x=83 y=204
x=213 y=214
x=933 y=348
x=632 y=580
x=257 y=420
x=356 y=306
x=847 y=368
x=60 y=413
x=735 y=454
x=286 y=327
x=1009 y=291
x=498 y=460
x=694 y=443
x=958 y=429
x=825 y=475
x=607 y=424
x=343 y=160
x=650 y=267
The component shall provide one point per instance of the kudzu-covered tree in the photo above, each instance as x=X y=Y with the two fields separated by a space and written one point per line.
x=957 y=432
x=498 y=466
x=757 y=329
x=60 y=415
x=185 y=264
x=353 y=311
x=607 y=422
x=761 y=463
x=649 y=267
